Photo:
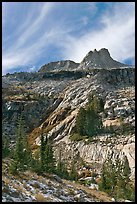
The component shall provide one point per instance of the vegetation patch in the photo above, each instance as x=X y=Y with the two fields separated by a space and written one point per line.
x=88 y=120
x=40 y=198
x=77 y=137
x=115 y=178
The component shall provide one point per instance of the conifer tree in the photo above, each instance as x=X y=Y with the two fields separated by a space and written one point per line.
x=92 y=122
x=61 y=168
x=22 y=154
x=126 y=170
x=108 y=175
x=80 y=121
x=59 y=163
x=49 y=158
x=73 y=172
x=124 y=173
x=5 y=146
x=88 y=121
x=19 y=150
x=42 y=152
x=115 y=177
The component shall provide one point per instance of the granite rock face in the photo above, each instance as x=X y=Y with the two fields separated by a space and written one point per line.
x=94 y=153
x=53 y=103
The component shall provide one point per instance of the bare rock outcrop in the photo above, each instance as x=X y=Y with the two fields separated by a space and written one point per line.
x=59 y=66
x=99 y=59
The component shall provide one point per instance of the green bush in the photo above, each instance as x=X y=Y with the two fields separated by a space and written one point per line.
x=77 y=137
x=36 y=167
x=13 y=168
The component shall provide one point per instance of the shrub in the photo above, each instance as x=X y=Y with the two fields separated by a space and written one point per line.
x=40 y=198
x=77 y=137
x=13 y=168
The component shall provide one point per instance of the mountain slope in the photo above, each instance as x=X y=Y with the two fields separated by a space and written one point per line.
x=51 y=98
x=30 y=187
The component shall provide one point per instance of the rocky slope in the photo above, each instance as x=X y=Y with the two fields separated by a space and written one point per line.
x=30 y=187
x=51 y=98
x=118 y=103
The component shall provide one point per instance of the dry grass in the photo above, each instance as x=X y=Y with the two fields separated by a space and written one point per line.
x=102 y=196
x=36 y=133
x=128 y=93
x=114 y=122
x=18 y=187
x=25 y=185
x=40 y=198
x=6 y=180
x=35 y=185
x=71 y=191
x=32 y=137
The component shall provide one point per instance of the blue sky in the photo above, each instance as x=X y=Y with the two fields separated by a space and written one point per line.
x=36 y=33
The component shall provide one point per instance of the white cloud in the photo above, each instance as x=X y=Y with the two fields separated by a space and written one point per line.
x=24 y=55
x=36 y=25
x=23 y=51
x=117 y=34
x=31 y=69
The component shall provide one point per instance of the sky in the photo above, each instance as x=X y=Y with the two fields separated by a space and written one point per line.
x=36 y=33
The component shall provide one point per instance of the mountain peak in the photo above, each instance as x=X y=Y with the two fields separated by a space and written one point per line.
x=102 y=51
x=99 y=59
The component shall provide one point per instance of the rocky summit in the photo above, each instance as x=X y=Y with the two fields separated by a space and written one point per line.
x=50 y=101
x=66 y=65
x=99 y=59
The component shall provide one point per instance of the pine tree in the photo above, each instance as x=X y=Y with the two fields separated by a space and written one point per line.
x=115 y=177
x=49 y=158
x=80 y=121
x=93 y=123
x=22 y=154
x=124 y=174
x=42 y=152
x=59 y=163
x=27 y=153
x=61 y=168
x=5 y=146
x=108 y=176
x=88 y=121
x=73 y=173
x=19 y=150
x=96 y=103
x=126 y=170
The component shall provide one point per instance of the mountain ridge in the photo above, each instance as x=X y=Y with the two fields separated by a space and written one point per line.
x=93 y=59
